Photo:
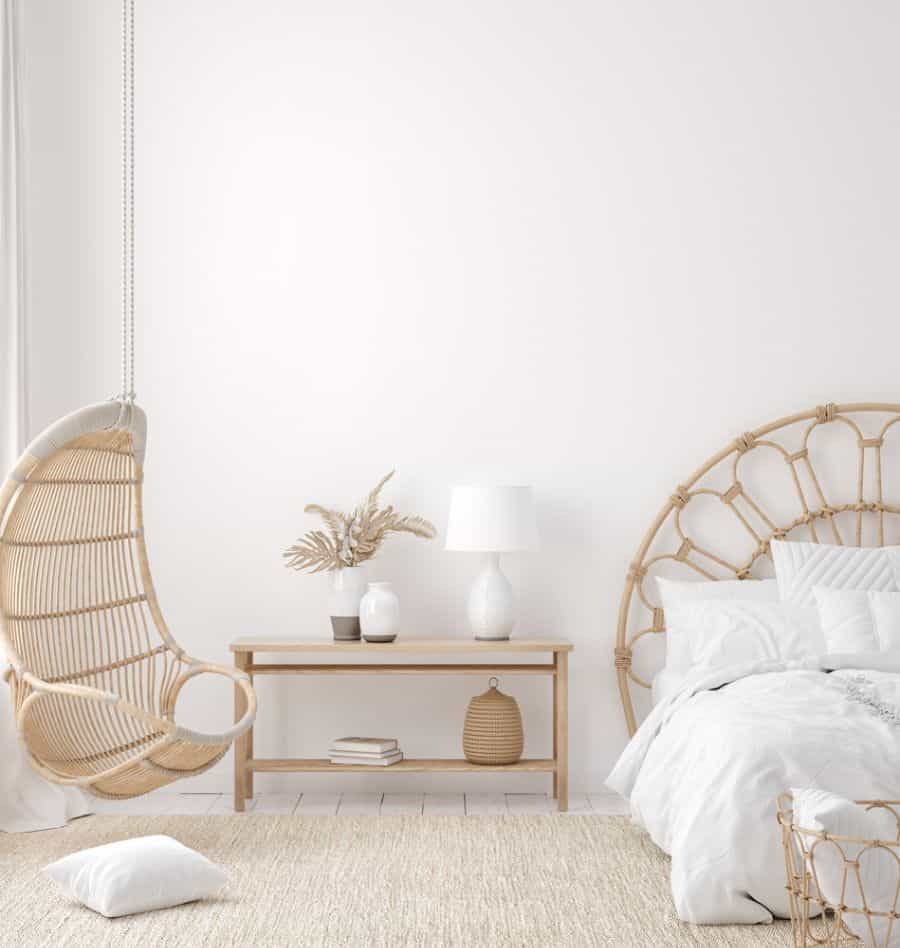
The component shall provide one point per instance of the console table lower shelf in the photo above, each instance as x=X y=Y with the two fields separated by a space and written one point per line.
x=382 y=663
x=450 y=765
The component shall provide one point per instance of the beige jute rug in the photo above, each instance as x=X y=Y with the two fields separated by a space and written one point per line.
x=405 y=880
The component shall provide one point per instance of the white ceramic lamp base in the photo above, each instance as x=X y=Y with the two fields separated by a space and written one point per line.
x=492 y=603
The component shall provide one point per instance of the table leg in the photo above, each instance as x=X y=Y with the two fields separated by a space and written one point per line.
x=248 y=773
x=555 y=725
x=561 y=730
x=241 y=661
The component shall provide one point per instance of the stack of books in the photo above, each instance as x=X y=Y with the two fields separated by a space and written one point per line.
x=373 y=751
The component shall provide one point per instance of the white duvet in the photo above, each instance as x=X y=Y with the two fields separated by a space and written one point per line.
x=704 y=770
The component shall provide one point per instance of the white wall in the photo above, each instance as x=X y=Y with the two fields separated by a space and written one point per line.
x=578 y=244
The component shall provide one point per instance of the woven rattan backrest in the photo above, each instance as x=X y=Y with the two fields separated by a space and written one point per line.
x=812 y=514
x=75 y=593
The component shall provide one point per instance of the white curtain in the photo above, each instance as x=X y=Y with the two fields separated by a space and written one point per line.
x=27 y=802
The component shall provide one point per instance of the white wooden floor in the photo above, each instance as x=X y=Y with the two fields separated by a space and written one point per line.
x=354 y=804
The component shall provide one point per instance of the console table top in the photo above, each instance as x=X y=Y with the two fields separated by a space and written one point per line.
x=264 y=643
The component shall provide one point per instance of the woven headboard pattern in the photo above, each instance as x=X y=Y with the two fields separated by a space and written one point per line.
x=863 y=516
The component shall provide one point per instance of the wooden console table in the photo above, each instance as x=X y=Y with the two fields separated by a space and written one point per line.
x=382 y=661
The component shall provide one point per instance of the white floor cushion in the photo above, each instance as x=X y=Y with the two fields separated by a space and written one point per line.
x=137 y=875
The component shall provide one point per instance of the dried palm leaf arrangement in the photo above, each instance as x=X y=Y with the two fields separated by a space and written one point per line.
x=351 y=539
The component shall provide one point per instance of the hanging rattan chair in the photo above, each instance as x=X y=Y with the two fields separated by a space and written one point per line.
x=95 y=672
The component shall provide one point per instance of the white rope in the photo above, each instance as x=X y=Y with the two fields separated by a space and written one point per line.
x=127 y=393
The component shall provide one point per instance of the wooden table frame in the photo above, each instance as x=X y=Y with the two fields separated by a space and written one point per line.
x=245 y=650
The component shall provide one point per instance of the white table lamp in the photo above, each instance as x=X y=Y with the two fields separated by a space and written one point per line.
x=492 y=520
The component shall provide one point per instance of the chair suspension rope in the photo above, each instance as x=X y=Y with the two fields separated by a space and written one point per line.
x=127 y=392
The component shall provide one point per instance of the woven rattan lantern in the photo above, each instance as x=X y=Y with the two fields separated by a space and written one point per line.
x=493 y=732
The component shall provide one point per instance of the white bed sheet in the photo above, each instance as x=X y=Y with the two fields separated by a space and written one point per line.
x=704 y=770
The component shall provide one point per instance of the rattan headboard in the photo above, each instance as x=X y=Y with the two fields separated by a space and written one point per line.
x=858 y=520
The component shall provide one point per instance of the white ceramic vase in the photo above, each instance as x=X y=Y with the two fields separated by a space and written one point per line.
x=348 y=585
x=379 y=613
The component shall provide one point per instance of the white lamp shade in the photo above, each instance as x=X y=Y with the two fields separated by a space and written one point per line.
x=491 y=520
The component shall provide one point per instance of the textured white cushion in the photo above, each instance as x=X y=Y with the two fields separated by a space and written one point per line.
x=847 y=622
x=137 y=875
x=720 y=633
x=673 y=594
x=879 y=870
x=799 y=567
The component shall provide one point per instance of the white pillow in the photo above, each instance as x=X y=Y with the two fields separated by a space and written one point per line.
x=137 y=875
x=799 y=567
x=673 y=594
x=885 y=608
x=724 y=633
x=847 y=622
x=856 y=621
x=878 y=868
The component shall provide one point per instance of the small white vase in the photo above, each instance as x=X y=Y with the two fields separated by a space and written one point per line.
x=348 y=586
x=379 y=613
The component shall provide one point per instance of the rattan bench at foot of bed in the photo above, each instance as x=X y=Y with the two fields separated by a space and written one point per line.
x=828 y=929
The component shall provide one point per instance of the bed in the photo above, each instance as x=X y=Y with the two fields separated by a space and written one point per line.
x=718 y=746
